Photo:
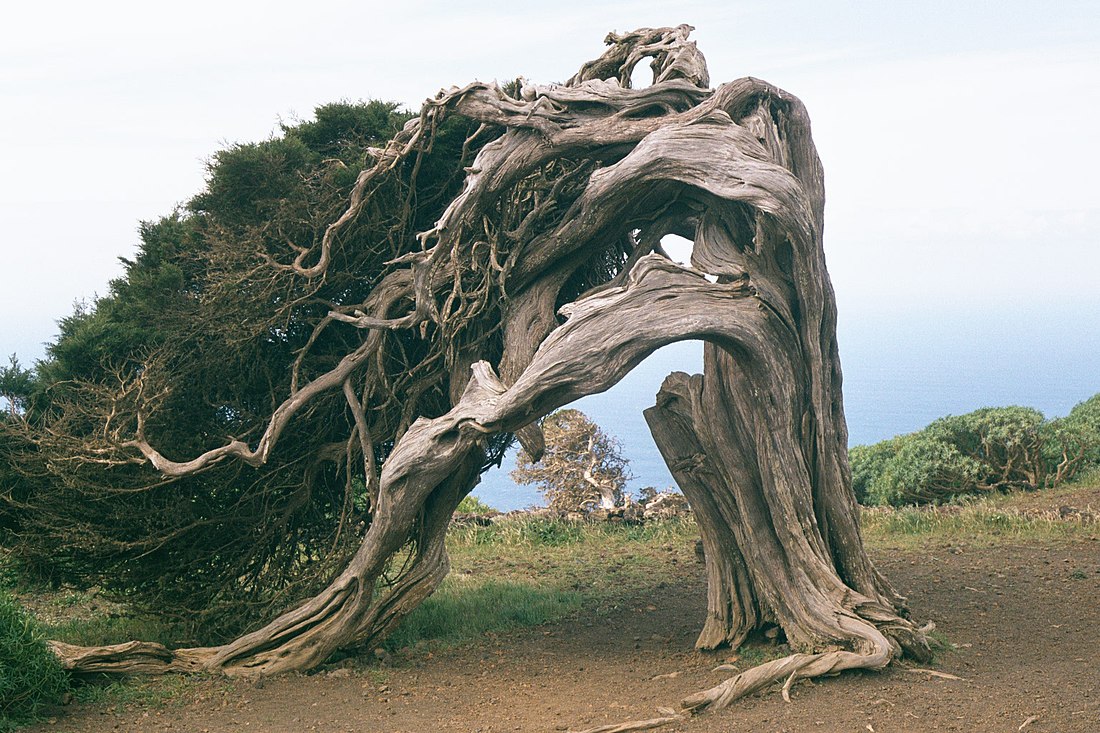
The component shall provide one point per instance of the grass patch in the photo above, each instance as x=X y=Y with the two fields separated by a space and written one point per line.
x=1089 y=477
x=464 y=609
x=979 y=523
x=84 y=617
x=99 y=630
x=599 y=560
x=526 y=571
x=146 y=692
x=754 y=653
x=940 y=645
x=543 y=532
x=1070 y=511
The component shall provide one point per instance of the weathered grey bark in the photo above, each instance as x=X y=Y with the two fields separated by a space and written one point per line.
x=758 y=443
x=732 y=609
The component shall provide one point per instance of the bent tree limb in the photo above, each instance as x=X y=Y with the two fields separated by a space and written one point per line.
x=543 y=281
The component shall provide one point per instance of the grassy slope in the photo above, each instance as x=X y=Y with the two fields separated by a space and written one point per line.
x=526 y=572
x=529 y=572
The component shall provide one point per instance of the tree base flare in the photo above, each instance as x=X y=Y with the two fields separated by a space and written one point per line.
x=796 y=667
x=881 y=651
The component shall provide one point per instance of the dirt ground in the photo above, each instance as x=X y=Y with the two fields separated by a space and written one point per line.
x=1024 y=618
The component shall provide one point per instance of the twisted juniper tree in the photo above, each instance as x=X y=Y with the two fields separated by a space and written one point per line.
x=544 y=280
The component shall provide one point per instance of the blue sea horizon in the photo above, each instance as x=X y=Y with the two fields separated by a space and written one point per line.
x=901 y=371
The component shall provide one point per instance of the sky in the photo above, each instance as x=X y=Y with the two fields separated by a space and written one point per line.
x=958 y=138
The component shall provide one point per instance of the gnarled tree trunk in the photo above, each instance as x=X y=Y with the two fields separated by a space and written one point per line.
x=758 y=443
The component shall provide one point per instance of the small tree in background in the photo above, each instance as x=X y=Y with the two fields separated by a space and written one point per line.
x=582 y=469
x=662 y=504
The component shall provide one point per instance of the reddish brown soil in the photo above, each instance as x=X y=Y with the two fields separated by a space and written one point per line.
x=1025 y=619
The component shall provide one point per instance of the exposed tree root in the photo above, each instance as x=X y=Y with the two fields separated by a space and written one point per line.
x=649 y=724
x=788 y=670
x=796 y=667
x=935 y=673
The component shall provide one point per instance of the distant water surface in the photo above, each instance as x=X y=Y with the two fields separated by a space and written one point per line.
x=901 y=371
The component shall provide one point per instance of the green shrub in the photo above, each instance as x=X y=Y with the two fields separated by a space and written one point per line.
x=473 y=505
x=30 y=675
x=1088 y=414
x=924 y=470
x=868 y=462
x=1005 y=442
x=991 y=449
x=1073 y=442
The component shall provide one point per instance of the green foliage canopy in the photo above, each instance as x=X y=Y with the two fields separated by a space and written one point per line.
x=205 y=334
x=16 y=386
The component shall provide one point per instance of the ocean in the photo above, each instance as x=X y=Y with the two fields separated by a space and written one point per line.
x=902 y=369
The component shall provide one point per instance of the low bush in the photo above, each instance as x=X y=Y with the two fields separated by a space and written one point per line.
x=1073 y=443
x=924 y=470
x=30 y=675
x=989 y=450
x=473 y=505
x=868 y=463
